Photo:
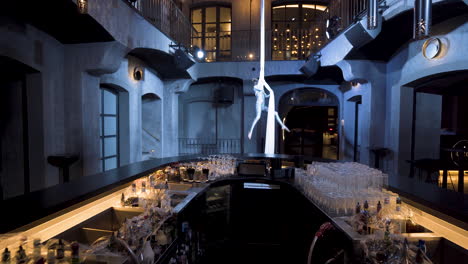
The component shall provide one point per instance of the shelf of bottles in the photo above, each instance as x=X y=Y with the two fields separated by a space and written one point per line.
x=355 y=196
x=141 y=226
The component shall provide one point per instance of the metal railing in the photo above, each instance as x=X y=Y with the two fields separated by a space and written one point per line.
x=244 y=44
x=167 y=17
x=292 y=45
x=207 y=146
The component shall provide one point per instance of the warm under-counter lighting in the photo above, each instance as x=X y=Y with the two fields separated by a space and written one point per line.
x=440 y=227
x=50 y=226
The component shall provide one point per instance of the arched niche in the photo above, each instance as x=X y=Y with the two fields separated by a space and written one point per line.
x=210 y=116
x=151 y=125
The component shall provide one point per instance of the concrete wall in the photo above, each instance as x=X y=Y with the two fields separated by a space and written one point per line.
x=408 y=65
x=39 y=51
x=65 y=98
x=201 y=117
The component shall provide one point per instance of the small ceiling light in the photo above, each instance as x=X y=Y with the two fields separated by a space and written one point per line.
x=82 y=6
x=251 y=55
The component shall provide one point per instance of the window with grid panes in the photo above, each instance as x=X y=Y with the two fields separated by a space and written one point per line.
x=213 y=31
x=109 y=129
x=297 y=30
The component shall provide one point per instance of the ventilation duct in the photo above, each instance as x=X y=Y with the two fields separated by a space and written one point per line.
x=372 y=15
x=422 y=18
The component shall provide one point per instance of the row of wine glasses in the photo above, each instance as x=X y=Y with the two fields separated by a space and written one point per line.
x=338 y=187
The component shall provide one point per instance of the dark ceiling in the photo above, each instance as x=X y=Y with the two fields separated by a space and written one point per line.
x=329 y=75
x=12 y=69
x=59 y=18
x=399 y=30
x=453 y=83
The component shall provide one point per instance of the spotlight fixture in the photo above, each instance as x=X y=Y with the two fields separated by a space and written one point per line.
x=138 y=74
x=251 y=55
x=184 y=57
x=199 y=53
x=82 y=6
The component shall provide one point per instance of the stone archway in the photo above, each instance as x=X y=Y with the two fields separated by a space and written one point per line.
x=312 y=115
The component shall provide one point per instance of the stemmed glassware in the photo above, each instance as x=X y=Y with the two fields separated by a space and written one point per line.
x=337 y=187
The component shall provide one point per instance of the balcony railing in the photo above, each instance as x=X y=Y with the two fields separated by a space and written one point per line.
x=167 y=17
x=286 y=44
x=207 y=146
x=244 y=45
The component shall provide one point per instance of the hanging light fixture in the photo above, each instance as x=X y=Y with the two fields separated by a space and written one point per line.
x=372 y=15
x=422 y=19
x=82 y=6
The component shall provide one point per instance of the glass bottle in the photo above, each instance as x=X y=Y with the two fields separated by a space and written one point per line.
x=51 y=254
x=60 y=252
x=21 y=256
x=6 y=256
x=75 y=253
x=36 y=255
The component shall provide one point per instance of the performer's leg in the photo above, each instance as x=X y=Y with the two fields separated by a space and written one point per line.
x=280 y=122
x=257 y=117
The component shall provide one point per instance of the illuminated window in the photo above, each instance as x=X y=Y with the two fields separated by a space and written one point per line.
x=297 y=30
x=109 y=129
x=213 y=26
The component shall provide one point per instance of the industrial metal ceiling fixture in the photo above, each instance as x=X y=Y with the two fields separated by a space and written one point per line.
x=422 y=19
x=372 y=15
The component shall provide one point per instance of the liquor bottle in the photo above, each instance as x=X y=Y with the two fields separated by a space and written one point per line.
x=75 y=253
x=422 y=245
x=60 y=252
x=400 y=222
x=152 y=181
x=21 y=256
x=358 y=208
x=379 y=207
x=366 y=217
x=405 y=253
x=6 y=256
x=134 y=190
x=387 y=229
x=51 y=254
x=37 y=256
x=122 y=200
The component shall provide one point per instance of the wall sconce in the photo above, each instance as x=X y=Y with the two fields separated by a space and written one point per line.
x=138 y=74
x=432 y=48
x=82 y=6
x=355 y=84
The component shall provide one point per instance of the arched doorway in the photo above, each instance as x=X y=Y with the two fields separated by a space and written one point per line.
x=312 y=116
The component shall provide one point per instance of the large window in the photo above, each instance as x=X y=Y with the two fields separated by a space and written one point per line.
x=213 y=26
x=297 y=30
x=109 y=129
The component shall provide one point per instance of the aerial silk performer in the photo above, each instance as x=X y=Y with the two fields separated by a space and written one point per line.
x=261 y=95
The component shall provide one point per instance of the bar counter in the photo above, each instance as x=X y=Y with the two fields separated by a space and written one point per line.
x=47 y=213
